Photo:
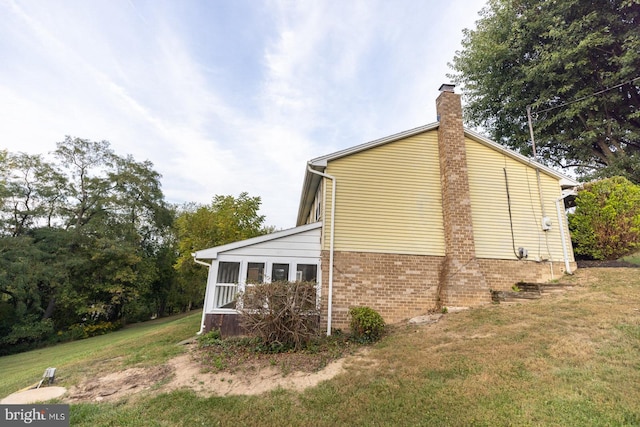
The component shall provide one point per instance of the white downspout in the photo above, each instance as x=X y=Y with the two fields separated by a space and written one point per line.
x=206 y=293
x=331 y=242
x=565 y=253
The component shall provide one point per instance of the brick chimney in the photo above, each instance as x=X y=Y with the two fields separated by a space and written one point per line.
x=462 y=282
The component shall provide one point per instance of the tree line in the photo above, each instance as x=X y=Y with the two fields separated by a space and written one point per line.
x=88 y=243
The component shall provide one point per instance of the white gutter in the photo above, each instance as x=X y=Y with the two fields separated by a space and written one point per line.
x=563 y=239
x=331 y=243
x=206 y=293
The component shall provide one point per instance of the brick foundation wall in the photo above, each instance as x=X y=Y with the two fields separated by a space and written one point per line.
x=463 y=285
x=400 y=287
x=501 y=274
x=397 y=286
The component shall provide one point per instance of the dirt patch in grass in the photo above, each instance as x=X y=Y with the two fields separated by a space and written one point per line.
x=248 y=379
x=115 y=385
x=221 y=371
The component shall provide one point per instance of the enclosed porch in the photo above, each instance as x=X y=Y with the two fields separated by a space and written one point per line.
x=292 y=255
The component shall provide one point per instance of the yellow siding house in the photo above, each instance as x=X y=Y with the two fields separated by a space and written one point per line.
x=430 y=217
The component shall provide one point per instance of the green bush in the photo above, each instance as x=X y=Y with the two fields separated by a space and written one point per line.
x=606 y=221
x=27 y=335
x=29 y=332
x=101 y=328
x=79 y=331
x=76 y=332
x=366 y=324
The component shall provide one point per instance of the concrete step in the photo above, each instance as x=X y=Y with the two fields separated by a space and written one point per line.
x=511 y=296
x=528 y=291
x=554 y=288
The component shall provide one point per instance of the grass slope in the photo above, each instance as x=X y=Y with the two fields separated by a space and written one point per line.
x=567 y=359
x=143 y=344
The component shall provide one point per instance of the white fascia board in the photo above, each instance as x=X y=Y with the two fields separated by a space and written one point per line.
x=309 y=187
x=212 y=253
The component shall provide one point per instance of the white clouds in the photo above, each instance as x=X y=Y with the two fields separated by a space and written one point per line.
x=223 y=97
x=355 y=71
x=317 y=59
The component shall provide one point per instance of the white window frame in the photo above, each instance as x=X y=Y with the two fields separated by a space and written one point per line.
x=268 y=262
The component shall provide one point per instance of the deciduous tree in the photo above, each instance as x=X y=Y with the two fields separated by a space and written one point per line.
x=227 y=219
x=82 y=237
x=576 y=63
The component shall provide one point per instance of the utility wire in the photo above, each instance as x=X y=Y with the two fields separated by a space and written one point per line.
x=587 y=96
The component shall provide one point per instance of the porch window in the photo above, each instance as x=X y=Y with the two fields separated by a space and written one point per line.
x=307 y=273
x=255 y=272
x=226 y=286
x=228 y=272
x=279 y=272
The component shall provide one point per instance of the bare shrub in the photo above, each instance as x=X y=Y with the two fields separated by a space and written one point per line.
x=282 y=314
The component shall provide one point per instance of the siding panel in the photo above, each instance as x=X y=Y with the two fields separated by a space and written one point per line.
x=388 y=199
x=490 y=208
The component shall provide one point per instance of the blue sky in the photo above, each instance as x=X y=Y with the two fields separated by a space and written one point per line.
x=224 y=96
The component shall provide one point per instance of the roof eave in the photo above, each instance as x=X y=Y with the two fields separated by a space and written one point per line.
x=212 y=253
x=309 y=187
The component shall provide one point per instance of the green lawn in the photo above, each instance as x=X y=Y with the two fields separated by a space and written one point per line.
x=141 y=344
x=633 y=258
x=571 y=359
